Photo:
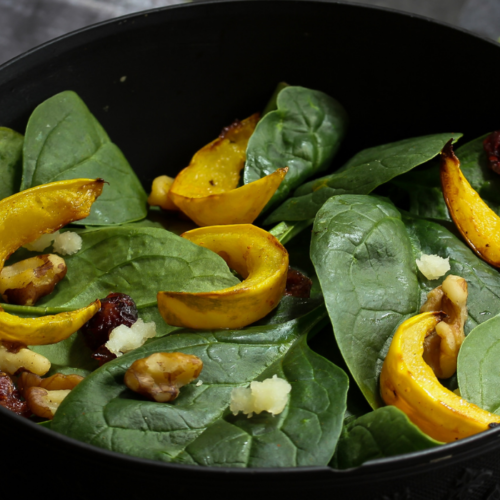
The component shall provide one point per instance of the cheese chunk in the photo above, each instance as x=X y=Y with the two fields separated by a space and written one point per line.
x=433 y=266
x=270 y=395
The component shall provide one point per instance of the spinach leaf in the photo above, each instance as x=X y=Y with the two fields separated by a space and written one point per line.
x=422 y=194
x=482 y=280
x=68 y=356
x=139 y=262
x=11 y=154
x=365 y=264
x=423 y=189
x=363 y=173
x=135 y=260
x=385 y=432
x=478 y=376
x=303 y=134
x=64 y=141
x=197 y=428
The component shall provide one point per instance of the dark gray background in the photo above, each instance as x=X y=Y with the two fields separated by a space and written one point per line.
x=27 y=23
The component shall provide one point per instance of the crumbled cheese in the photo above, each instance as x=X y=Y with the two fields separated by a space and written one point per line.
x=124 y=339
x=433 y=266
x=199 y=383
x=270 y=395
x=67 y=243
x=42 y=243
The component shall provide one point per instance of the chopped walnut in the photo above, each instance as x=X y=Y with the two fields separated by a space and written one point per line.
x=56 y=382
x=160 y=376
x=10 y=397
x=44 y=403
x=441 y=347
x=20 y=357
x=27 y=281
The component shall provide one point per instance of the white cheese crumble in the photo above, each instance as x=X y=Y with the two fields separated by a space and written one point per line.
x=42 y=243
x=433 y=266
x=270 y=395
x=124 y=339
x=67 y=243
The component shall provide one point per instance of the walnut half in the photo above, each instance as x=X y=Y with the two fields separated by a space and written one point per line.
x=441 y=347
x=160 y=376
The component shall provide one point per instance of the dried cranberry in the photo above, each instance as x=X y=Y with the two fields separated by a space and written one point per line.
x=298 y=284
x=10 y=397
x=103 y=355
x=116 y=309
x=492 y=147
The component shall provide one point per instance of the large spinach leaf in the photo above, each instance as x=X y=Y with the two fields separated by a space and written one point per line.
x=135 y=260
x=64 y=141
x=366 y=267
x=482 y=280
x=11 y=155
x=197 y=428
x=363 y=173
x=478 y=374
x=303 y=134
x=385 y=432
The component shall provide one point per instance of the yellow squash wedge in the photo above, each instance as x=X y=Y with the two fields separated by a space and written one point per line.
x=24 y=217
x=479 y=225
x=408 y=383
x=206 y=191
x=256 y=255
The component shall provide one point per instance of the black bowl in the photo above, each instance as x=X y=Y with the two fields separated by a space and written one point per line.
x=192 y=69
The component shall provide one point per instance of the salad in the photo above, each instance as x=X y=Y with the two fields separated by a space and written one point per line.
x=354 y=235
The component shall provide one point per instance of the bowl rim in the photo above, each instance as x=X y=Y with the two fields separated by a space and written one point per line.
x=400 y=465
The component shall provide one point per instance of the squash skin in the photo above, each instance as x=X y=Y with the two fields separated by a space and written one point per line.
x=256 y=255
x=23 y=218
x=477 y=223
x=408 y=383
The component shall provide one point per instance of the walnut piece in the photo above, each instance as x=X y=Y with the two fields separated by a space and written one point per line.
x=441 y=347
x=44 y=403
x=56 y=382
x=26 y=281
x=13 y=359
x=160 y=376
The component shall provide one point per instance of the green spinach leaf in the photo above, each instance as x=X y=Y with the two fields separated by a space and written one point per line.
x=68 y=356
x=139 y=262
x=385 y=432
x=135 y=260
x=11 y=156
x=478 y=375
x=303 y=134
x=482 y=280
x=64 y=141
x=422 y=194
x=365 y=264
x=197 y=428
x=363 y=173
